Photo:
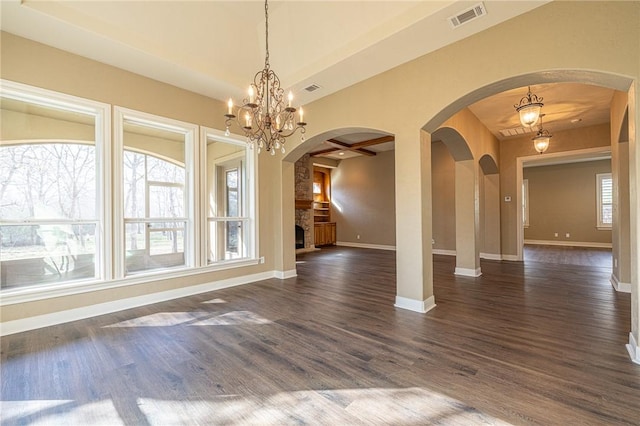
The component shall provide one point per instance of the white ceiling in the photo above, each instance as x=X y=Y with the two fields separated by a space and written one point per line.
x=216 y=47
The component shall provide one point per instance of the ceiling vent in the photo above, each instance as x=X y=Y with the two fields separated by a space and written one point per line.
x=312 y=88
x=516 y=131
x=467 y=15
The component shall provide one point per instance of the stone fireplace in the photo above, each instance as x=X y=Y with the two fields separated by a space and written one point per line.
x=304 y=198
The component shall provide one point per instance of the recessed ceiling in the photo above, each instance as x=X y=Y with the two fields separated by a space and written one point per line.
x=566 y=106
x=216 y=47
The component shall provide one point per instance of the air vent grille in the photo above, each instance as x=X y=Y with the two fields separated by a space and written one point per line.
x=312 y=88
x=516 y=131
x=467 y=15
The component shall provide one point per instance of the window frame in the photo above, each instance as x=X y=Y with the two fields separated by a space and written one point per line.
x=525 y=203
x=600 y=225
x=109 y=204
x=249 y=196
x=190 y=132
x=101 y=113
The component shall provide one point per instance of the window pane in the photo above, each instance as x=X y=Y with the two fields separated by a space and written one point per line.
x=226 y=190
x=154 y=245
x=607 y=214
x=39 y=254
x=160 y=170
x=606 y=187
x=154 y=187
x=134 y=184
x=227 y=240
x=48 y=181
x=166 y=201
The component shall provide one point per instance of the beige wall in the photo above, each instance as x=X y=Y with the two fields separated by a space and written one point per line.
x=443 y=201
x=580 y=45
x=363 y=200
x=620 y=172
x=563 y=199
x=579 y=42
x=511 y=149
x=24 y=61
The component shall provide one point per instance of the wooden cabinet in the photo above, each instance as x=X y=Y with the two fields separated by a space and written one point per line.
x=324 y=233
x=321 y=211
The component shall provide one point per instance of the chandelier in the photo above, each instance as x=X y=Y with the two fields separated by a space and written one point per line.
x=529 y=109
x=541 y=139
x=264 y=116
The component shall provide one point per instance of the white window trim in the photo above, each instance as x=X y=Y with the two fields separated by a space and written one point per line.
x=192 y=232
x=102 y=130
x=108 y=174
x=525 y=201
x=599 y=225
x=250 y=196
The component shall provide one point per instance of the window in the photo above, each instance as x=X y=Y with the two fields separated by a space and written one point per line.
x=525 y=203
x=157 y=206
x=51 y=215
x=605 y=200
x=230 y=207
x=77 y=210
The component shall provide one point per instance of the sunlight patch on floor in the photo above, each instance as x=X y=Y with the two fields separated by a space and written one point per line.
x=169 y=319
x=217 y=300
x=59 y=412
x=371 y=406
x=339 y=406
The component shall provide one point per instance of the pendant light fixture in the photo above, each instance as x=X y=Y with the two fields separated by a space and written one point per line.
x=529 y=109
x=264 y=116
x=541 y=139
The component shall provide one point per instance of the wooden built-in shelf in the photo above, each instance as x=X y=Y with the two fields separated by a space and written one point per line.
x=304 y=204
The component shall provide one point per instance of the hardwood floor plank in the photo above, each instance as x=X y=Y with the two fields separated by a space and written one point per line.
x=528 y=343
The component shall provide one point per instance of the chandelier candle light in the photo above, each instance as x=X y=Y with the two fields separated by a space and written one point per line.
x=529 y=109
x=264 y=116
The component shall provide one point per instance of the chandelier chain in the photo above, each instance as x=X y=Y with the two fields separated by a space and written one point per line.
x=266 y=32
x=264 y=116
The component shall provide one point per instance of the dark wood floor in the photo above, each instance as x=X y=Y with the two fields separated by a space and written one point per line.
x=522 y=344
x=566 y=255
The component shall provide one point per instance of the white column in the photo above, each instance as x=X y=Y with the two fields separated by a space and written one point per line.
x=413 y=223
x=284 y=230
x=634 y=200
x=467 y=219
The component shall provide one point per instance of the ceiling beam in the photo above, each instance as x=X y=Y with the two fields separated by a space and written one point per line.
x=355 y=147
x=351 y=148
x=376 y=141
x=324 y=151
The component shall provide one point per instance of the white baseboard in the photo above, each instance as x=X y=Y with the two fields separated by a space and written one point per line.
x=40 y=321
x=283 y=275
x=444 y=252
x=364 y=245
x=510 y=257
x=467 y=272
x=619 y=286
x=633 y=349
x=568 y=243
x=488 y=256
x=422 y=306
x=491 y=256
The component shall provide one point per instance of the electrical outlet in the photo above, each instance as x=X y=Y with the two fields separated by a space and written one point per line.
x=262 y=259
x=615 y=263
x=567 y=235
x=555 y=234
x=358 y=237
